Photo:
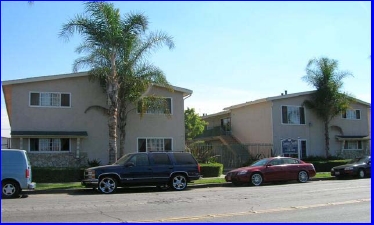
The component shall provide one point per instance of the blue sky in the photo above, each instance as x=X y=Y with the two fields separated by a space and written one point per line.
x=225 y=52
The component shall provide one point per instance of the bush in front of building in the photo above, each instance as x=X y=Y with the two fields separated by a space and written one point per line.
x=56 y=175
x=211 y=169
x=326 y=165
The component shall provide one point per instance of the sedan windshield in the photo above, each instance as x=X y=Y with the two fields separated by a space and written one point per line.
x=261 y=162
x=359 y=160
x=123 y=160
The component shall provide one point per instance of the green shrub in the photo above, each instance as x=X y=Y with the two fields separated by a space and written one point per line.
x=211 y=169
x=325 y=166
x=56 y=175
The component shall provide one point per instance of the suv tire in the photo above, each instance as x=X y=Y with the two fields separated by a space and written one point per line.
x=178 y=182
x=107 y=185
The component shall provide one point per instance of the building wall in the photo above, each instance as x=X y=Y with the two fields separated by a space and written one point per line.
x=313 y=129
x=158 y=126
x=84 y=94
x=252 y=123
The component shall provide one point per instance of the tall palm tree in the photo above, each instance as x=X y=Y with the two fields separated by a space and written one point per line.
x=137 y=74
x=327 y=101
x=104 y=33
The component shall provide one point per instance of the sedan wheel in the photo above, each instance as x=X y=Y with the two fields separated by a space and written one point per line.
x=256 y=179
x=361 y=173
x=303 y=177
x=10 y=189
x=179 y=182
x=107 y=185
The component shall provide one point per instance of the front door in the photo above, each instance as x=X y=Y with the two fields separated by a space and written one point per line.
x=137 y=170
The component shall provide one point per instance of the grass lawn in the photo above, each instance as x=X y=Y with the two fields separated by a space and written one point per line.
x=210 y=180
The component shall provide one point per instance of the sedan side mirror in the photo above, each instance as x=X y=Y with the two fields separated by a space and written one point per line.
x=129 y=164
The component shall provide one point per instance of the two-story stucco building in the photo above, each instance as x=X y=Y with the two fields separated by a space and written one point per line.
x=49 y=118
x=291 y=129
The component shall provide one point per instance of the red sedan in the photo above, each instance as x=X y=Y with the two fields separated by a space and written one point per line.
x=272 y=169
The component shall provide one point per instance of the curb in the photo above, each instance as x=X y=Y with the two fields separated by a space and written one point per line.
x=77 y=190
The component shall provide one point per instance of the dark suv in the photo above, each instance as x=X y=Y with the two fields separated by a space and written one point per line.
x=162 y=169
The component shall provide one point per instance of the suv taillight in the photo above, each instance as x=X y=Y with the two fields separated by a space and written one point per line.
x=198 y=167
x=27 y=173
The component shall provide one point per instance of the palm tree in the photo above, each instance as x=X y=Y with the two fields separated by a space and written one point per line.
x=104 y=33
x=327 y=101
x=137 y=75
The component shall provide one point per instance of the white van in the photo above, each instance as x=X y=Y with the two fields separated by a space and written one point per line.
x=15 y=172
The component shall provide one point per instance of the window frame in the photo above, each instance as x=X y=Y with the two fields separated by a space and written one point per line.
x=50 y=142
x=157 y=113
x=302 y=115
x=355 y=112
x=52 y=97
x=147 y=149
x=358 y=145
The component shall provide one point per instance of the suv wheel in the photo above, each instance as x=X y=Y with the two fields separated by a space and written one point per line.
x=179 y=182
x=107 y=185
x=10 y=189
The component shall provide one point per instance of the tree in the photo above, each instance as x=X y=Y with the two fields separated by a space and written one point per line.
x=194 y=125
x=104 y=33
x=327 y=101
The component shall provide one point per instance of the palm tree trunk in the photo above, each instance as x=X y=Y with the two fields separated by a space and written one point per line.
x=327 y=139
x=122 y=127
x=113 y=107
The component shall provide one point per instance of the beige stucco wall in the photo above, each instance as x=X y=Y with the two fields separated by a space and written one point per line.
x=158 y=126
x=85 y=93
x=253 y=123
x=313 y=129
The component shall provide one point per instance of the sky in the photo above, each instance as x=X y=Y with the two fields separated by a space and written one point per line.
x=226 y=52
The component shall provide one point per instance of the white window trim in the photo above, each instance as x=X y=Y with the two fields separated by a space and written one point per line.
x=171 y=108
x=293 y=124
x=146 y=138
x=354 y=112
x=42 y=106
x=353 y=149
x=50 y=152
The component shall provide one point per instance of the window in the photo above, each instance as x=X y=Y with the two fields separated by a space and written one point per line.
x=293 y=115
x=140 y=160
x=352 y=114
x=161 y=159
x=353 y=145
x=151 y=105
x=49 y=99
x=182 y=158
x=49 y=144
x=154 y=144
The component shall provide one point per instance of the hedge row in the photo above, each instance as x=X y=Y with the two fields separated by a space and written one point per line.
x=211 y=169
x=56 y=175
x=325 y=166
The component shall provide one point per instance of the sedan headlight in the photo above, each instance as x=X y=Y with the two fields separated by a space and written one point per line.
x=348 y=168
x=242 y=172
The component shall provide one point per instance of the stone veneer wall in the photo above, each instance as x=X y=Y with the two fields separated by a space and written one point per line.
x=57 y=159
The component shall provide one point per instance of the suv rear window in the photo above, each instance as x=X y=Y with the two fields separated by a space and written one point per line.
x=161 y=159
x=181 y=158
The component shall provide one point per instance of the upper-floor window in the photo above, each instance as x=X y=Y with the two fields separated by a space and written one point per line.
x=49 y=144
x=49 y=99
x=352 y=114
x=293 y=115
x=150 y=105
